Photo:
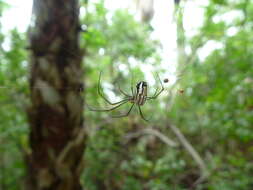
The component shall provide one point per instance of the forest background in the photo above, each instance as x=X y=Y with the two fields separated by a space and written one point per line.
x=201 y=128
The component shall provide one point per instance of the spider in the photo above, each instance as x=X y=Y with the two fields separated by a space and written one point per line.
x=138 y=98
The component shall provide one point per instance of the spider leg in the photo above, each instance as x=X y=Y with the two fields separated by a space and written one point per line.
x=142 y=116
x=157 y=94
x=132 y=88
x=126 y=114
x=156 y=90
x=123 y=91
x=110 y=109
x=101 y=94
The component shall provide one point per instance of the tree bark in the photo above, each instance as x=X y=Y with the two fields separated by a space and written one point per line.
x=57 y=135
x=180 y=36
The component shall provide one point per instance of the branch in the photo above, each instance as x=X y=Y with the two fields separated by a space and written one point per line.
x=154 y=132
x=191 y=151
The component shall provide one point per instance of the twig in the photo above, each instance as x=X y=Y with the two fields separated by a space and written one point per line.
x=191 y=151
x=154 y=132
x=161 y=136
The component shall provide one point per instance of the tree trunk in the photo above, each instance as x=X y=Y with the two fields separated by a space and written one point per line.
x=180 y=36
x=57 y=135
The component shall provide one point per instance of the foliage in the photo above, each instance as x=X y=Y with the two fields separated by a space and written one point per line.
x=13 y=129
x=217 y=107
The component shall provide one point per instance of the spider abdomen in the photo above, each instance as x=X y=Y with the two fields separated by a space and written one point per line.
x=141 y=93
x=140 y=100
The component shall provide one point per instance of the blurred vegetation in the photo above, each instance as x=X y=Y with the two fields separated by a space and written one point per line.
x=215 y=112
